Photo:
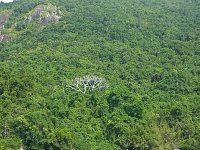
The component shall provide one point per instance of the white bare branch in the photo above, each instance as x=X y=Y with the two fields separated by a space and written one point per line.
x=87 y=84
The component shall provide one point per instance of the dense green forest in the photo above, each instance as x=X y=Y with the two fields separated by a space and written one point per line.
x=146 y=52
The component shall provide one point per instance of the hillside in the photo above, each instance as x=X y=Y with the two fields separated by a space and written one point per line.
x=100 y=75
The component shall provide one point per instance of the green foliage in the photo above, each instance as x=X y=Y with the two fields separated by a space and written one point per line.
x=147 y=51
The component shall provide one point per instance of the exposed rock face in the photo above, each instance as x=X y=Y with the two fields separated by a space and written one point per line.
x=4 y=38
x=3 y=19
x=49 y=19
x=45 y=14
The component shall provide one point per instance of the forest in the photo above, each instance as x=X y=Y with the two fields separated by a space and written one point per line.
x=100 y=75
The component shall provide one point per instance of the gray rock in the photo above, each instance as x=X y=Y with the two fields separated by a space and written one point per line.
x=4 y=38
x=45 y=14
x=3 y=19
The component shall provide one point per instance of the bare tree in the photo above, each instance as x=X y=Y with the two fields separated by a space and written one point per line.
x=86 y=84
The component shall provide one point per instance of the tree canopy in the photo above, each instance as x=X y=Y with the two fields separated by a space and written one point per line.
x=145 y=51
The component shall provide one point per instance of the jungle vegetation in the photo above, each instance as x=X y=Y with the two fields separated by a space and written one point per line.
x=147 y=51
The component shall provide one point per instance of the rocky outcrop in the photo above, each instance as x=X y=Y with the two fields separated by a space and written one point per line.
x=4 y=38
x=3 y=19
x=45 y=14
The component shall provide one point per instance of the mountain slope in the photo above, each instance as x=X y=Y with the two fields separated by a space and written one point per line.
x=147 y=51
